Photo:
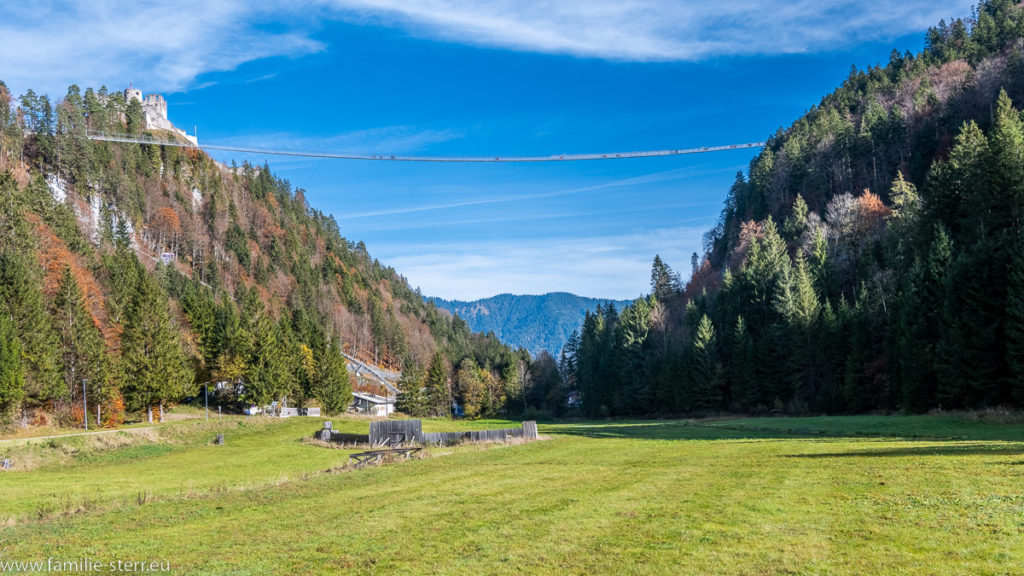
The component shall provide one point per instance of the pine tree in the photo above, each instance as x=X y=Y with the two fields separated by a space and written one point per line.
x=766 y=267
x=266 y=371
x=412 y=398
x=664 y=281
x=232 y=343
x=704 y=374
x=799 y=305
x=332 y=385
x=439 y=399
x=135 y=117
x=904 y=226
x=200 y=307
x=82 y=350
x=957 y=190
x=154 y=364
x=21 y=290
x=796 y=222
x=742 y=384
x=1015 y=321
x=123 y=270
x=635 y=393
x=1006 y=143
x=12 y=378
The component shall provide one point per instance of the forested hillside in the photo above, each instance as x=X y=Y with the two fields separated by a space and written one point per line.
x=871 y=259
x=535 y=322
x=259 y=290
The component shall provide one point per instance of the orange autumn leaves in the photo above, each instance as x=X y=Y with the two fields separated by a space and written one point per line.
x=53 y=257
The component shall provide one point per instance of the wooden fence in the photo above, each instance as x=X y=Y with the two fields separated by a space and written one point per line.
x=394 y=432
x=528 y=431
x=328 y=435
x=402 y=432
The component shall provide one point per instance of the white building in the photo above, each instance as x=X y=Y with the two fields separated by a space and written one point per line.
x=365 y=403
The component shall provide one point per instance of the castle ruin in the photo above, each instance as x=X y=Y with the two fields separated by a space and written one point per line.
x=154 y=109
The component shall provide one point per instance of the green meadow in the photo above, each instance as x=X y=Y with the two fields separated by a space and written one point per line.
x=835 y=495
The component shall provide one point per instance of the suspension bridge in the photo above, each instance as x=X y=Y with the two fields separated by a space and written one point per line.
x=145 y=139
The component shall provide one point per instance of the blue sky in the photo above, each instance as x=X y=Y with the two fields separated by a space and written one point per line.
x=452 y=77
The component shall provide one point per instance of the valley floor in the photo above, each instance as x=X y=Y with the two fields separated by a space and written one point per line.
x=838 y=495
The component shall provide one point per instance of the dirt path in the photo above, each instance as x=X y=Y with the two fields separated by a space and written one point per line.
x=30 y=438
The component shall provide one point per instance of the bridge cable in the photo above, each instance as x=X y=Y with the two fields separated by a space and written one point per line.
x=125 y=138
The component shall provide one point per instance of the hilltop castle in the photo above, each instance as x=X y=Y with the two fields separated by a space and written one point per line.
x=154 y=109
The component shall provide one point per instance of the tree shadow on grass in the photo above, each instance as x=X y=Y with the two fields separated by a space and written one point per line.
x=675 y=430
x=951 y=449
x=826 y=430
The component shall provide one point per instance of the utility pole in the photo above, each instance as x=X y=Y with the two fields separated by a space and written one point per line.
x=85 y=405
x=206 y=398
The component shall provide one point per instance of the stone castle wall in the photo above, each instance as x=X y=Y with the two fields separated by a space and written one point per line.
x=154 y=109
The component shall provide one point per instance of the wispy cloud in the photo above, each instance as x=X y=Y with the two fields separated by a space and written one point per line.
x=388 y=225
x=662 y=176
x=167 y=43
x=600 y=266
x=659 y=30
x=382 y=140
x=170 y=43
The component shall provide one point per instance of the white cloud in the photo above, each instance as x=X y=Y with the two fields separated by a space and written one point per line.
x=383 y=140
x=604 y=266
x=644 y=30
x=163 y=44
x=167 y=44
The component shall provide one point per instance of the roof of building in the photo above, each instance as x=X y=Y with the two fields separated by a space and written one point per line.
x=373 y=398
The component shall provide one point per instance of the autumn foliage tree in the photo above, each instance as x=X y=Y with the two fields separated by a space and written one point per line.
x=82 y=351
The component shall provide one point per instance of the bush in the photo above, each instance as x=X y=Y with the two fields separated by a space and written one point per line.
x=533 y=413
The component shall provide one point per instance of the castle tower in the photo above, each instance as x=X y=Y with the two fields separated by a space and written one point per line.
x=156 y=105
x=132 y=93
x=154 y=112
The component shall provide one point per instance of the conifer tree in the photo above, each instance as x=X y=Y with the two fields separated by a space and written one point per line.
x=439 y=400
x=411 y=399
x=332 y=385
x=796 y=222
x=704 y=370
x=266 y=371
x=799 y=305
x=200 y=307
x=123 y=271
x=12 y=378
x=958 y=190
x=1015 y=321
x=21 y=290
x=742 y=384
x=232 y=342
x=635 y=393
x=154 y=364
x=1007 y=165
x=82 y=350
x=664 y=281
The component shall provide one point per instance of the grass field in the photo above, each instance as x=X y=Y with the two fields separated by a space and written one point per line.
x=840 y=495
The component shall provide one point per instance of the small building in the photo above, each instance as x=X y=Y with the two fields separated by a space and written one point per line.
x=366 y=403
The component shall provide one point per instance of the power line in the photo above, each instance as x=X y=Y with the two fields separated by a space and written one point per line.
x=101 y=136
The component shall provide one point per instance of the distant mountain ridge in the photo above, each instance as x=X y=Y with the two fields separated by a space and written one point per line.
x=534 y=322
